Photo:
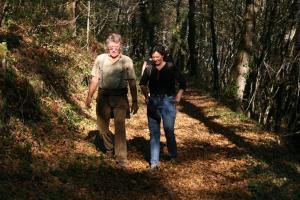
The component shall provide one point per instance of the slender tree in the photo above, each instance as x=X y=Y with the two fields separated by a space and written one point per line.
x=297 y=6
x=88 y=25
x=178 y=3
x=191 y=38
x=242 y=64
x=214 y=47
x=3 y=5
x=71 y=14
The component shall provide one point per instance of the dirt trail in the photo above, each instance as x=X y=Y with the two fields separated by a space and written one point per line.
x=222 y=155
x=217 y=148
x=209 y=163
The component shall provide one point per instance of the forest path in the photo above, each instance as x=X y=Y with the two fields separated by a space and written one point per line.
x=221 y=154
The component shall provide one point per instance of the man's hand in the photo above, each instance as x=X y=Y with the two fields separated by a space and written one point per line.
x=134 y=107
x=92 y=88
x=88 y=102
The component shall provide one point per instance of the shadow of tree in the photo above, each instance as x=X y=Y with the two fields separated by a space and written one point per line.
x=275 y=156
x=95 y=138
x=13 y=40
x=140 y=146
x=19 y=98
x=18 y=178
x=93 y=179
x=52 y=68
x=198 y=150
x=137 y=145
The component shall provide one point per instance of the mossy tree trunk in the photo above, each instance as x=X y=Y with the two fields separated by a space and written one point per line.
x=241 y=67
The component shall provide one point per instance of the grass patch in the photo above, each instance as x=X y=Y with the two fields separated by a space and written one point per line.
x=265 y=183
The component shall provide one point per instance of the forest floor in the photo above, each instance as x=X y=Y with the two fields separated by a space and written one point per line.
x=50 y=147
x=222 y=155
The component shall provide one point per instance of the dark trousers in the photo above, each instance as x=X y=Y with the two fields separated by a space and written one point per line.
x=118 y=105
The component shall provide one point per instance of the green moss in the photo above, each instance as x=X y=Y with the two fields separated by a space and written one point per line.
x=3 y=50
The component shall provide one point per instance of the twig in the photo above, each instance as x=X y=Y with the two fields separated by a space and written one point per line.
x=290 y=134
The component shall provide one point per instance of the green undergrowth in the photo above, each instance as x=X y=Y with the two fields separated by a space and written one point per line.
x=265 y=181
x=41 y=88
x=41 y=111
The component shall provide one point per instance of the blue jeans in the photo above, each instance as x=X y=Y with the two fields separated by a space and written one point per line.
x=161 y=107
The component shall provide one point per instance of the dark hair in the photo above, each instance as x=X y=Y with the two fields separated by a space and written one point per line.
x=160 y=49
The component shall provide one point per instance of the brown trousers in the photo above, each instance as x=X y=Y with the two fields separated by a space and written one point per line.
x=119 y=106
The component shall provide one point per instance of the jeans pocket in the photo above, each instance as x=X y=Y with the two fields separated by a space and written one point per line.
x=152 y=111
x=171 y=99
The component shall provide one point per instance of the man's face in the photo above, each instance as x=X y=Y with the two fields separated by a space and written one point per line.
x=114 y=49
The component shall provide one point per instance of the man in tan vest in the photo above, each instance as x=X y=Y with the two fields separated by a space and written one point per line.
x=112 y=73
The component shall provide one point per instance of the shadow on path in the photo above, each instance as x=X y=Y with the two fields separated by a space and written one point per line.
x=273 y=156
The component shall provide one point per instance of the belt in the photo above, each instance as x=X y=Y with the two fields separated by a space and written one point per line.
x=160 y=95
x=113 y=92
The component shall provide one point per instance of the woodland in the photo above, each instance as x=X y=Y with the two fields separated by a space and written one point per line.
x=237 y=126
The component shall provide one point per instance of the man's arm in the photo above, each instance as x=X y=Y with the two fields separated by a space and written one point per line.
x=92 y=88
x=133 y=91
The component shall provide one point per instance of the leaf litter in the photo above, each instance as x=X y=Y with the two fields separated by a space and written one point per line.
x=221 y=156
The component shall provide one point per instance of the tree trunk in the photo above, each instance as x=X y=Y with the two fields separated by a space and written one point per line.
x=71 y=13
x=297 y=26
x=2 y=81
x=178 y=2
x=241 y=67
x=191 y=38
x=88 y=26
x=3 y=5
x=296 y=123
x=214 y=48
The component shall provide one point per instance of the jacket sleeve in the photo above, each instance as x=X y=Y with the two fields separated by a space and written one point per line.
x=179 y=77
x=145 y=78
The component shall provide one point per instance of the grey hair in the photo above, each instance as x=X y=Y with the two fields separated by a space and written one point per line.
x=114 y=37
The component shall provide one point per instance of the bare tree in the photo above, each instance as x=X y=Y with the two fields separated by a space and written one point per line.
x=242 y=64
x=71 y=14
x=191 y=38
x=214 y=47
x=178 y=3
x=297 y=6
x=88 y=25
x=3 y=5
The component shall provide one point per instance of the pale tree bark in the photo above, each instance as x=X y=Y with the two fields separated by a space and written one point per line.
x=241 y=67
x=71 y=13
x=88 y=26
x=3 y=5
x=3 y=51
